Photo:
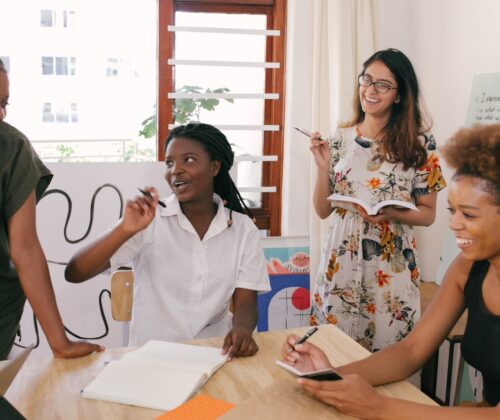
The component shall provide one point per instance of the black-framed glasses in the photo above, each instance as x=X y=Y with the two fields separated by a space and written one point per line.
x=380 y=87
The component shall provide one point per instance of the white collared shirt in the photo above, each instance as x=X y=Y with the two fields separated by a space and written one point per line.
x=183 y=285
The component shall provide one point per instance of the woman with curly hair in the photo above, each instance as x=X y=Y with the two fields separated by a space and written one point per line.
x=471 y=282
x=369 y=276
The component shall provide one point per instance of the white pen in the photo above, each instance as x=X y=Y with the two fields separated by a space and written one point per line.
x=305 y=132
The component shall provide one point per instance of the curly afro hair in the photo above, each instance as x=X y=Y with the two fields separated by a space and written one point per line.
x=476 y=152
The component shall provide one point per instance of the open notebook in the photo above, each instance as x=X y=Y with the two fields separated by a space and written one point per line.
x=159 y=375
x=347 y=202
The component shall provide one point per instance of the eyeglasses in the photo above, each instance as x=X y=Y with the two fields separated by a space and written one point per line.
x=380 y=87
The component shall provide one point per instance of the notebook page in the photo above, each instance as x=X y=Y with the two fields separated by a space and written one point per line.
x=178 y=356
x=144 y=385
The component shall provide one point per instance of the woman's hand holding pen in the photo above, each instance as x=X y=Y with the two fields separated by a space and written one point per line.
x=305 y=357
x=321 y=151
x=352 y=395
x=140 y=212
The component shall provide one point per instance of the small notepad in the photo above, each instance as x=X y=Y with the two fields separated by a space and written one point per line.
x=200 y=407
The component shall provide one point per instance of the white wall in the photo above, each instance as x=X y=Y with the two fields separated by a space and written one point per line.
x=297 y=161
x=78 y=303
x=448 y=42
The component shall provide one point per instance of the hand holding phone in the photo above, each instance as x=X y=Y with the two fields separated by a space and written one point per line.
x=318 y=375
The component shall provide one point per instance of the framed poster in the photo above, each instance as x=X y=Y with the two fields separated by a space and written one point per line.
x=288 y=304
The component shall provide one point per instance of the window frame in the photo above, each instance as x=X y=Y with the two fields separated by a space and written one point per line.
x=268 y=216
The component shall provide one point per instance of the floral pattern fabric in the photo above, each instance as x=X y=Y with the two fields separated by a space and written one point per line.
x=369 y=276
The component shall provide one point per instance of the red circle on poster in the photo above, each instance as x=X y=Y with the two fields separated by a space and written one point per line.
x=300 y=298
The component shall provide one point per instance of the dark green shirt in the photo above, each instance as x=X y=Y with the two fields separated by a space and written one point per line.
x=21 y=172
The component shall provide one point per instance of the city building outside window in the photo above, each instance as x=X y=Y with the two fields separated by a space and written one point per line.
x=60 y=112
x=55 y=18
x=59 y=66
x=6 y=62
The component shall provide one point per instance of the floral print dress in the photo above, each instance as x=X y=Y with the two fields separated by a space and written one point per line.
x=368 y=278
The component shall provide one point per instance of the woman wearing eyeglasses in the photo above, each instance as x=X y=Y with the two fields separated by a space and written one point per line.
x=369 y=275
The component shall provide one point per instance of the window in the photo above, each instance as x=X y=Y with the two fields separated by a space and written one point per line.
x=6 y=62
x=60 y=112
x=120 y=67
x=47 y=65
x=47 y=115
x=48 y=18
x=74 y=40
x=68 y=20
x=228 y=70
x=60 y=66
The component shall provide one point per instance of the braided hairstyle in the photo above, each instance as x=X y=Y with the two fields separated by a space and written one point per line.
x=218 y=148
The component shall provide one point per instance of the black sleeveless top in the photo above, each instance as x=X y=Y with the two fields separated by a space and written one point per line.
x=481 y=342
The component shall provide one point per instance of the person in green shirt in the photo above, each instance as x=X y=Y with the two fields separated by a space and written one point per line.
x=23 y=268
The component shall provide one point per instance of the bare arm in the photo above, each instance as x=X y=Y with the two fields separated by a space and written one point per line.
x=424 y=217
x=245 y=309
x=354 y=396
x=94 y=258
x=321 y=191
x=321 y=153
x=31 y=266
x=239 y=341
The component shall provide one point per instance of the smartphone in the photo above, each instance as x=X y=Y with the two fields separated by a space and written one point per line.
x=323 y=375
x=319 y=375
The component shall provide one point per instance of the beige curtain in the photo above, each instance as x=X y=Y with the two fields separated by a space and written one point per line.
x=343 y=40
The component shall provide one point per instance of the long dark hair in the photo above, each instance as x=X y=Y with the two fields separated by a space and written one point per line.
x=218 y=148
x=400 y=136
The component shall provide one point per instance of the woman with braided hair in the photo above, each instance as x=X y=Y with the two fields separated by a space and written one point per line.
x=191 y=258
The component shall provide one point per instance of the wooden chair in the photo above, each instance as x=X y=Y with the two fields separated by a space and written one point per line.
x=122 y=294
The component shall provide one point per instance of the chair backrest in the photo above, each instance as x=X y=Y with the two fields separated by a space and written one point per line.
x=122 y=294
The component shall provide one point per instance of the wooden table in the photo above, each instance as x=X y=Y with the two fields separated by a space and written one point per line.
x=50 y=388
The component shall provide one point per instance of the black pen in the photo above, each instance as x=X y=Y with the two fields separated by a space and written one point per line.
x=302 y=339
x=148 y=194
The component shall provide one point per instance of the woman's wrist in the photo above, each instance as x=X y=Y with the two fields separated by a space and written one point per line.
x=124 y=232
x=323 y=172
x=383 y=409
x=59 y=344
